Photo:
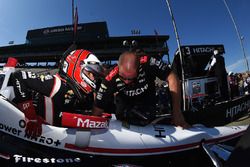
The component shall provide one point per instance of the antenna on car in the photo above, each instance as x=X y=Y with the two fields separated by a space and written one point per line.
x=180 y=54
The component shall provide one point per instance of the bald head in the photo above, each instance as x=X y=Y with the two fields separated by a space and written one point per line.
x=128 y=65
x=128 y=61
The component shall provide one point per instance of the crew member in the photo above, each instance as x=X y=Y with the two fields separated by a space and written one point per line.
x=133 y=83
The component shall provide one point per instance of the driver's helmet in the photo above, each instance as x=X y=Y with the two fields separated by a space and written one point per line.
x=75 y=66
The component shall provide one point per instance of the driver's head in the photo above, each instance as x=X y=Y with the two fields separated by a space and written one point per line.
x=128 y=67
x=83 y=68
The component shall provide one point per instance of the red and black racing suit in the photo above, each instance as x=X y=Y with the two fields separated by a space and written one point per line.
x=51 y=94
x=136 y=102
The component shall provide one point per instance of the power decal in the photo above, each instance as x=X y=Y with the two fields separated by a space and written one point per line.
x=10 y=129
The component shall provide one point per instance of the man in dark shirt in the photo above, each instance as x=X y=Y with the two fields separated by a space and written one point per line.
x=132 y=82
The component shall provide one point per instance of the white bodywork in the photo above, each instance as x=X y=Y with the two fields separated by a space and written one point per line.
x=117 y=140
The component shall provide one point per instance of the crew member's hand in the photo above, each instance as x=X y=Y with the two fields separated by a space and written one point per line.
x=34 y=127
x=178 y=120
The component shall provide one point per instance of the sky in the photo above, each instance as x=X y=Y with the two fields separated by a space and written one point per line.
x=198 y=21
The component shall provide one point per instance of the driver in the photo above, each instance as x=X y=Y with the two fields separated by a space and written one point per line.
x=71 y=90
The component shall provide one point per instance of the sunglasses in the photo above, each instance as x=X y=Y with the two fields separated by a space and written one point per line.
x=127 y=79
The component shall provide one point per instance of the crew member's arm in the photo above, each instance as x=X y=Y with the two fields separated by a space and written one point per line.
x=174 y=87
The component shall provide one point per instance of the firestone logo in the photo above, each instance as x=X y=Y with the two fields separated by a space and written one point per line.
x=23 y=159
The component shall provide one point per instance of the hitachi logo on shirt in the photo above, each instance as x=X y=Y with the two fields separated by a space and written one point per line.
x=137 y=91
